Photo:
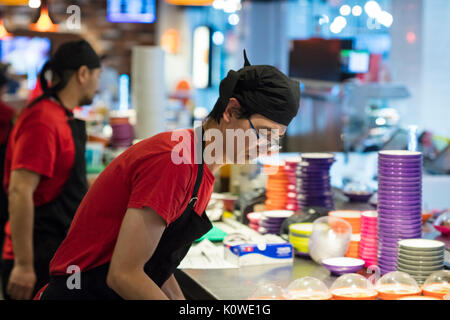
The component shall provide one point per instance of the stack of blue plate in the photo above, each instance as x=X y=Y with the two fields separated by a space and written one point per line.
x=399 y=203
x=313 y=180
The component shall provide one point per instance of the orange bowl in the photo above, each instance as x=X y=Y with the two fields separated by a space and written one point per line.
x=437 y=290
x=391 y=292
x=354 y=294
x=426 y=216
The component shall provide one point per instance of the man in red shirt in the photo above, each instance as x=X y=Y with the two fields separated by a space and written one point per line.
x=141 y=215
x=45 y=169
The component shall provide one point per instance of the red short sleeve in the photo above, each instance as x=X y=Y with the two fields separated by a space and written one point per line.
x=161 y=185
x=35 y=149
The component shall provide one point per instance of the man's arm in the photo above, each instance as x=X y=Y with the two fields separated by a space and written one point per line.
x=172 y=289
x=22 y=185
x=138 y=238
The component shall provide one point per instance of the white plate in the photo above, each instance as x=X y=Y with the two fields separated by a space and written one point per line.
x=343 y=262
x=369 y=214
x=421 y=244
x=399 y=153
x=254 y=215
x=317 y=155
x=277 y=213
x=345 y=214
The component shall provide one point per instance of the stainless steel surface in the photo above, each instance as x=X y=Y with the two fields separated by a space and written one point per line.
x=239 y=284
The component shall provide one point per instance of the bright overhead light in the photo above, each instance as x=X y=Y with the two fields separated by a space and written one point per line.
x=385 y=18
x=324 y=19
x=357 y=11
x=340 y=22
x=233 y=19
x=345 y=10
x=219 y=4
x=34 y=4
x=372 y=9
x=218 y=38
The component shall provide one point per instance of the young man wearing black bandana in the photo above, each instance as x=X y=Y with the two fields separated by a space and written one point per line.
x=45 y=169
x=139 y=218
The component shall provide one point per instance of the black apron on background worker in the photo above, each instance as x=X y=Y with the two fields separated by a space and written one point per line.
x=175 y=242
x=52 y=220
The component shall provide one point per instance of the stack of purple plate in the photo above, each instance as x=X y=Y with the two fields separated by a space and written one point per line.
x=270 y=221
x=313 y=180
x=123 y=135
x=399 y=203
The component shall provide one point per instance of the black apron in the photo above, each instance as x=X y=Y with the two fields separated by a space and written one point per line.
x=52 y=220
x=173 y=246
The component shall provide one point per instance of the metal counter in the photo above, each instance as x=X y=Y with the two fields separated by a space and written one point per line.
x=239 y=284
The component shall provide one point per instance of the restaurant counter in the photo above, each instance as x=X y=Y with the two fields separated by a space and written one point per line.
x=240 y=283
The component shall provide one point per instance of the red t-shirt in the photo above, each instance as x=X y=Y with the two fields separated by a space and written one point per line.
x=143 y=176
x=6 y=117
x=41 y=141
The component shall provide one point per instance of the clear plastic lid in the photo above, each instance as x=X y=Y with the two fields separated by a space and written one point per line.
x=330 y=237
x=268 y=291
x=353 y=285
x=357 y=188
x=438 y=282
x=397 y=282
x=307 y=288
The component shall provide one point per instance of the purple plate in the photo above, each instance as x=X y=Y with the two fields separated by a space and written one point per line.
x=343 y=265
x=405 y=165
x=400 y=216
x=408 y=155
x=400 y=186
x=399 y=196
x=399 y=213
x=382 y=202
x=399 y=203
x=398 y=226
x=398 y=208
x=403 y=169
x=402 y=179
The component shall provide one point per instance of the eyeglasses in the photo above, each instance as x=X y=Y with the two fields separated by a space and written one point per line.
x=275 y=147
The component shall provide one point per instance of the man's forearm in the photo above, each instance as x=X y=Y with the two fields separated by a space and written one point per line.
x=21 y=217
x=172 y=289
x=135 y=286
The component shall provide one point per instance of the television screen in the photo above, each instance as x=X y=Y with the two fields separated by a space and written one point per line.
x=26 y=55
x=131 y=11
x=318 y=59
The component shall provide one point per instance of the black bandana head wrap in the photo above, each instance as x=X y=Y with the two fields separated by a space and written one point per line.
x=261 y=89
x=69 y=56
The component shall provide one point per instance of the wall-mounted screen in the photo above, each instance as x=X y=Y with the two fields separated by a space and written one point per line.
x=131 y=11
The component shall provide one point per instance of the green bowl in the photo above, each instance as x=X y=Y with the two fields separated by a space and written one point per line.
x=419 y=268
x=421 y=258
x=420 y=253
x=420 y=263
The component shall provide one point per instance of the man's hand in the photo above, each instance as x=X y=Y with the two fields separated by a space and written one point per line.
x=21 y=282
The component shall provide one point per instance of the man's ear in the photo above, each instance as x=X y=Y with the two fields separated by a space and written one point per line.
x=232 y=110
x=83 y=74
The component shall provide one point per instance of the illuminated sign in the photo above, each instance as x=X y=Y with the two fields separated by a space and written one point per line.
x=191 y=2
x=201 y=57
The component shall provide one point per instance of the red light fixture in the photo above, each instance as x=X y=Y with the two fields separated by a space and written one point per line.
x=3 y=32
x=44 y=23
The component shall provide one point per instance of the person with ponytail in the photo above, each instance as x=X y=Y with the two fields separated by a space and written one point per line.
x=45 y=169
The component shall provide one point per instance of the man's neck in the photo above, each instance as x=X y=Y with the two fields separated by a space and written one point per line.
x=211 y=124
x=68 y=98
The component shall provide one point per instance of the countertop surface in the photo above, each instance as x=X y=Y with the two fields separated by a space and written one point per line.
x=239 y=284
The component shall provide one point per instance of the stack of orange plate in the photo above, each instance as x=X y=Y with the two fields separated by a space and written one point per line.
x=280 y=192
x=351 y=216
x=353 y=249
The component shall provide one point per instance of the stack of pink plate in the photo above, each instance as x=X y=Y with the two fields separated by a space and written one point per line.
x=368 y=245
x=253 y=218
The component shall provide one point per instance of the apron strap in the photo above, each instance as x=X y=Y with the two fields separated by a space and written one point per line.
x=198 y=181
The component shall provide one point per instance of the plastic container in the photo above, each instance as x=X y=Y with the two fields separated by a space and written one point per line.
x=268 y=291
x=307 y=288
x=353 y=287
x=330 y=238
x=437 y=284
x=395 y=285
